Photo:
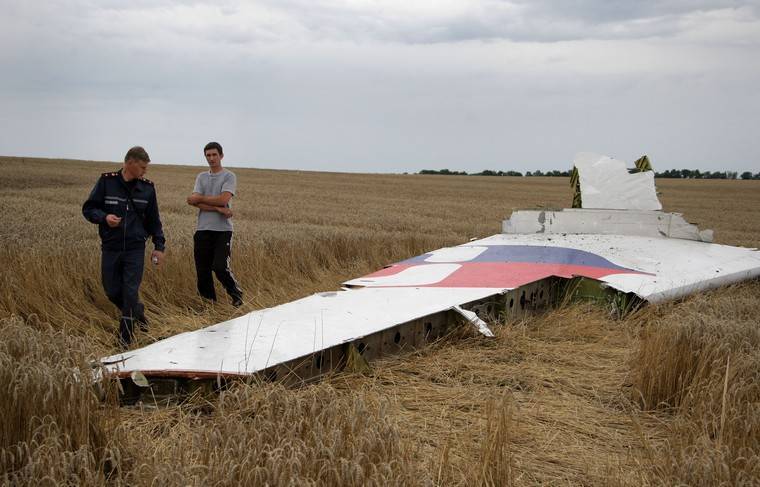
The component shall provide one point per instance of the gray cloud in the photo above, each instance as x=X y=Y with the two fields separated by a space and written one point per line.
x=389 y=86
x=517 y=20
x=601 y=11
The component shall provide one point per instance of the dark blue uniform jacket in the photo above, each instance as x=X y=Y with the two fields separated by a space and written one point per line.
x=137 y=208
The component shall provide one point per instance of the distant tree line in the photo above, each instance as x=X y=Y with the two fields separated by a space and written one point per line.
x=489 y=172
x=697 y=174
x=553 y=173
x=444 y=172
x=670 y=173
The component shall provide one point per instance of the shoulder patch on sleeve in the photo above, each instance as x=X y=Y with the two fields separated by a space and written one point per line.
x=146 y=180
x=109 y=174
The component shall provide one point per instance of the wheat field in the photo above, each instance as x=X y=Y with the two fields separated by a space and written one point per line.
x=666 y=396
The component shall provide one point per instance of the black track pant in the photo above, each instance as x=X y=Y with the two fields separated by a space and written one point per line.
x=121 y=272
x=212 y=253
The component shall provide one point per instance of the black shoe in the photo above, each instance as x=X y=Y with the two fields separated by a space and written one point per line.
x=142 y=322
x=237 y=301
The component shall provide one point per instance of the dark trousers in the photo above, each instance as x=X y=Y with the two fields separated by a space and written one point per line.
x=121 y=273
x=212 y=252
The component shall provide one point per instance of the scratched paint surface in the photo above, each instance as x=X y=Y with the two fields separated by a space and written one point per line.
x=497 y=266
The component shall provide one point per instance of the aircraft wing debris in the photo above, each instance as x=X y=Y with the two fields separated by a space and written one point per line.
x=606 y=183
x=301 y=328
x=654 y=268
x=626 y=244
x=604 y=222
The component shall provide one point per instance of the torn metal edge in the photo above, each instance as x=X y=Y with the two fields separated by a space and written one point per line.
x=475 y=321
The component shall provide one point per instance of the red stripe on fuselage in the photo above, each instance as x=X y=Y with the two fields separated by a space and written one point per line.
x=389 y=271
x=508 y=275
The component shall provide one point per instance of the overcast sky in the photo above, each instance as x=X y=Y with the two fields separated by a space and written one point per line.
x=384 y=86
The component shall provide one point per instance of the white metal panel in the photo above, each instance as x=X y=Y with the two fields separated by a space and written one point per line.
x=605 y=183
x=644 y=223
x=271 y=336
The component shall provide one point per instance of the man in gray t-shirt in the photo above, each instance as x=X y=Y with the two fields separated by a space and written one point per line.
x=212 y=241
x=217 y=218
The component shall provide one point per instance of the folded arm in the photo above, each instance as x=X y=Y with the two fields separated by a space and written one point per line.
x=211 y=203
x=205 y=207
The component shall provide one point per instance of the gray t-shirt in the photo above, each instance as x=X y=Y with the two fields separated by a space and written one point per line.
x=210 y=184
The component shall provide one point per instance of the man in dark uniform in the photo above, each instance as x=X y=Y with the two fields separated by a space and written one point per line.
x=123 y=204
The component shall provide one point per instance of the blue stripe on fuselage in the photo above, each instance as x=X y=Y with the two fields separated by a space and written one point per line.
x=533 y=253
